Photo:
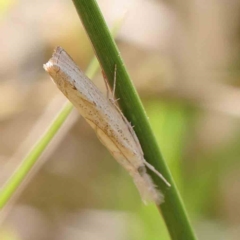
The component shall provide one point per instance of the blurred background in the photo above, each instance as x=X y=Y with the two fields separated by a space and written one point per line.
x=183 y=57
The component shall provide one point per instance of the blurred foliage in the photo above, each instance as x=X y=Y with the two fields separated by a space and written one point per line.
x=5 y=5
x=8 y=234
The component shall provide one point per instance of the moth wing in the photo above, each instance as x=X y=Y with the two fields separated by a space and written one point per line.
x=130 y=128
x=111 y=146
x=142 y=181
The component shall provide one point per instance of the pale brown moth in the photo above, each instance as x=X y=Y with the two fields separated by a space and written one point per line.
x=111 y=127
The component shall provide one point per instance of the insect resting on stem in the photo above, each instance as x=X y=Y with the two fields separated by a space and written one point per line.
x=107 y=120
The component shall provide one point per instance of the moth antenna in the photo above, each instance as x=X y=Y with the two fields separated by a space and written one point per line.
x=149 y=166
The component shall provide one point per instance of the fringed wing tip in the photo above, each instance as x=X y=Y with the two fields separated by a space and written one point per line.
x=54 y=60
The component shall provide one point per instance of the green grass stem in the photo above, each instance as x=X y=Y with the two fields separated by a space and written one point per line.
x=108 y=55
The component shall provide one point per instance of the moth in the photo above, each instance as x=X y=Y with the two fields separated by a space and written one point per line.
x=107 y=120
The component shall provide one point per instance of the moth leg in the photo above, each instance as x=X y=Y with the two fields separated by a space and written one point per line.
x=113 y=101
x=149 y=166
x=130 y=127
x=106 y=83
x=111 y=96
x=114 y=81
